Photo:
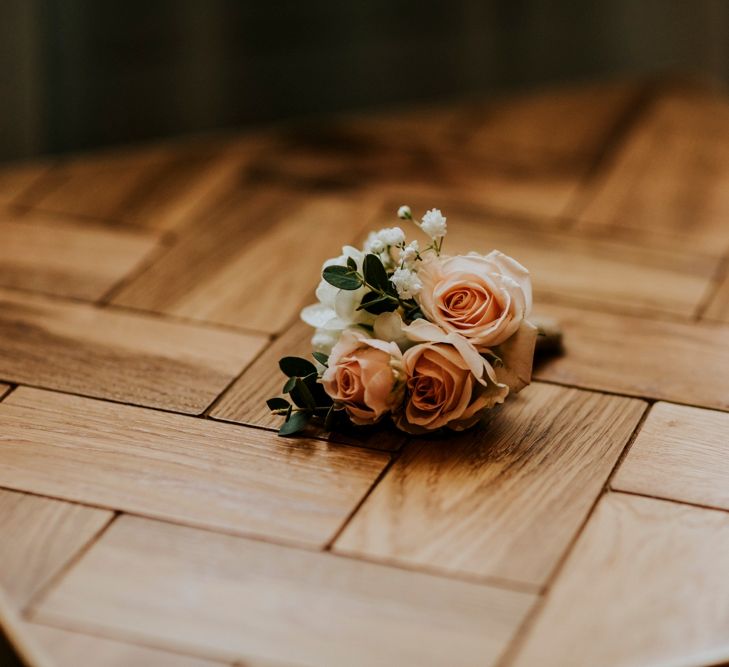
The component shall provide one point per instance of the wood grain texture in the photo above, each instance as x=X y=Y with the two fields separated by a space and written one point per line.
x=645 y=585
x=582 y=268
x=4 y=389
x=40 y=535
x=121 y=356
x=569 y=125
x=503 y=501
x=245 y=401
x=252 y=263
x=524 y=155
x=52 y=254
x=18 y=647
x=669 y=361
x=718 y=307
x=669 y=178
x=159 y=186
x=681 y=454
x=16 y=180
x=215 y=475
x=66 y=647
x=231 y=598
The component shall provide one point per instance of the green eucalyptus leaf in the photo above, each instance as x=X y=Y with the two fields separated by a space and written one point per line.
x=296 y=367
x=302 y=396
x=322 y=358
x=351 y=264
x=374 y=272
x=290 y=383
x=296 y=423
x=277 y=403
x=374 y=303
x=342 y=277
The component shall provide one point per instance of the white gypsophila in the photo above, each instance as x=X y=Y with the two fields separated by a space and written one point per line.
x=404 y=213
x=393 y=236
x=434 y=224
x=374 y=243
x=406 y=283
x=409 y=254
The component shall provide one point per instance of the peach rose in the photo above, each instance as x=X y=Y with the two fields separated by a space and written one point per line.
x=365 y=376
x=449 y=383
x=484 y=298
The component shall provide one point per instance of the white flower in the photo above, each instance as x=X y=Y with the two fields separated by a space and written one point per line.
x=393 y=236
x=404 y=213
x=324 y=340
x=336 y=309
x=410 y=254
x=434 y=224
x=374 y=243
x=406 y=283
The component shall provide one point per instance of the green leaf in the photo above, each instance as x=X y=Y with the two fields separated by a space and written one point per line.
x=322 y=358
x=375 y=303
x=351 y=263
x=301 y=395
x=296 y=367
x=342 y=277
x=277 y=403
x=296 y=423
x=329 y=419
x=290 y=383
x=374 y=272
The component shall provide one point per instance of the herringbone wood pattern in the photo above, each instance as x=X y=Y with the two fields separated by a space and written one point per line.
x=150 y=515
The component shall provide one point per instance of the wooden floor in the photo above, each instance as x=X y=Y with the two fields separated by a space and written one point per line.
x=149 y=514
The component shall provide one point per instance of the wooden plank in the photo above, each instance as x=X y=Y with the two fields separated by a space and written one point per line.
x=70 y=649
x=232 y=598
x=669 y=178
x=247 y=481
x=252 y=263
x=17 y=179
x=40 y=536
x=18 y=647
x=680 y=454
x=718 y=308
x=121 y=356
x=552 y=127
x=670 y=361
x=51 y=254
x=503 y=501
x=4 y=389
x=158 y=186
x=245 y=401
x=646 y=585
x=583 y=268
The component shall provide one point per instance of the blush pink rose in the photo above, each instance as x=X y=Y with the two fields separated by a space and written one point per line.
x=449 y=384
x=365 y=377
x=483 y=298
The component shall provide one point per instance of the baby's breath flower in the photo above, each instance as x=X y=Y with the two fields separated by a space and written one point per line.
x=374 y=243
x=393 y=236
x=404 y=213
x=406 y=283
x=434 y=224
x=410 y=254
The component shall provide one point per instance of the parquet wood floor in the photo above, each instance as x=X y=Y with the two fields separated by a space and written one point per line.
x=149 y=514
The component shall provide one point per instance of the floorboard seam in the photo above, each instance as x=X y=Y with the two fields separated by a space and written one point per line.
x=56 y=579
x=512 y=649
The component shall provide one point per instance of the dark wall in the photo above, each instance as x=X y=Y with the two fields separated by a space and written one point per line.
x=81 y=73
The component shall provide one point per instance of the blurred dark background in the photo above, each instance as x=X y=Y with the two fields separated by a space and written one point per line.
x=75 y=74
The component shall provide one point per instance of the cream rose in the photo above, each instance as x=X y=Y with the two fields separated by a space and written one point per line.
x=484 y=298
x=449 y=383
x=365 y=376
